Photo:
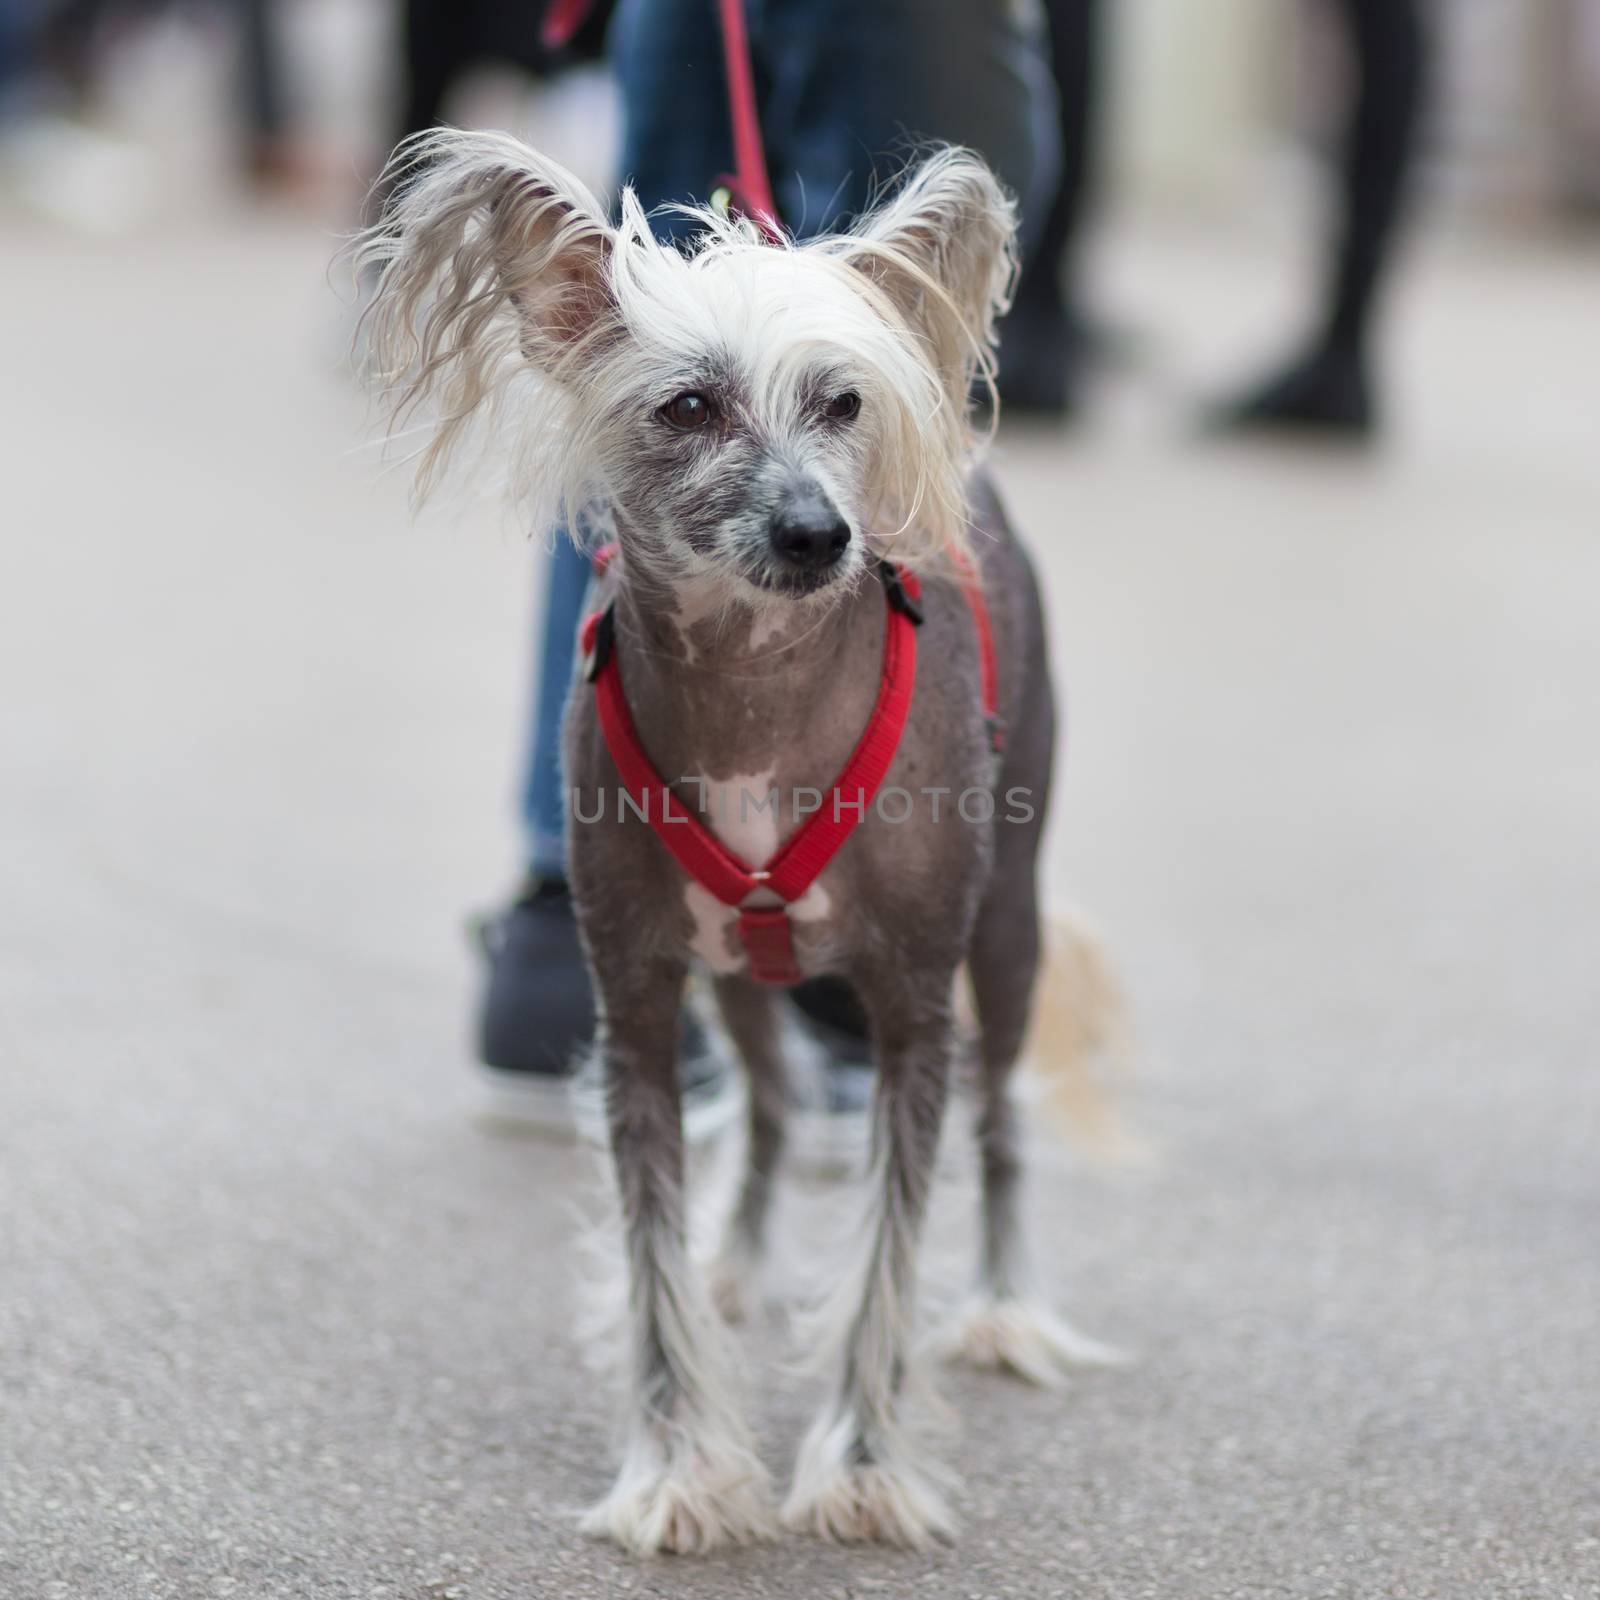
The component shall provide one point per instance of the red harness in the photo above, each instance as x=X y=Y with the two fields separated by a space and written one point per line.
x=764 y=926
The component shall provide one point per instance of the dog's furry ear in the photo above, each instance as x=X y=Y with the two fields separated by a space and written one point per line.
x=487 y=257
x=943 y=248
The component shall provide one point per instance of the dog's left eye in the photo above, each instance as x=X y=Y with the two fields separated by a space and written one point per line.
x=688 y=411
x=842 y=407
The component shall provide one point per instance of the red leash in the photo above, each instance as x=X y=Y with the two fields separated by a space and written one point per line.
x=562 y=19
x=749 y=184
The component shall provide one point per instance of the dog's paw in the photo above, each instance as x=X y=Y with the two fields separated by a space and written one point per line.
x=838 y=1496
x=872 y=1503
x=687 y=1506
x=1024 y=1338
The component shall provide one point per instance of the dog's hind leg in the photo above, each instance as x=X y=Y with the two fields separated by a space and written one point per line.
x=1003 y=1325
x=751 y=1015
x=1003 y=967
x=857 y=1477
x=690 y=1479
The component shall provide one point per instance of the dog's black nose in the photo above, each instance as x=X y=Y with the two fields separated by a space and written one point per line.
x=810 y=535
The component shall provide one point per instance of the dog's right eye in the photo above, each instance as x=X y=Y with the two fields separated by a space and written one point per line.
x=688 y=411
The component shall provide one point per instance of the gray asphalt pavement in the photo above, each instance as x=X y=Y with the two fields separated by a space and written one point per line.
x=279 y=1318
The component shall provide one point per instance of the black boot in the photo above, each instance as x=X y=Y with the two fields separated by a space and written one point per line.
x=1326 y=395
x=537 y=1016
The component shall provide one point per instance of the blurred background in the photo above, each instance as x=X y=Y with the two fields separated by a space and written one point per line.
x=278 y=1318
x=189 y=103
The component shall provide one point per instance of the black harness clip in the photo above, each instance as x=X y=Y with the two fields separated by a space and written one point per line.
x=605 y=636
x=889 y=577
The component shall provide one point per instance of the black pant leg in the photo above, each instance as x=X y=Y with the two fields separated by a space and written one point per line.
x=1390 y=46
x=1075 y=61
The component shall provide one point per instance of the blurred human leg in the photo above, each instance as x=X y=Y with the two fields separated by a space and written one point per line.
x=436 y=45
x=850 y=89
x=1041 y=341
x=1390 y=49
x=537 y=1015
x=845 y=89
x=543 y=804
x=1329 y=388
x=676 y=142
x=273 y=159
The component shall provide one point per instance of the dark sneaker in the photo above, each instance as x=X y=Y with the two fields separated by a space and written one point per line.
x=536 y=1029
x=1326 y=395
x=538 y=1010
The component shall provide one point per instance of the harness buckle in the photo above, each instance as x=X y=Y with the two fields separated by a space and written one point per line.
x=899 y=597
x=601 y=639
x=768 y=940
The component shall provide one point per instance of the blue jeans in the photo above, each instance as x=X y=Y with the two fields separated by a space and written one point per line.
x=847 y=88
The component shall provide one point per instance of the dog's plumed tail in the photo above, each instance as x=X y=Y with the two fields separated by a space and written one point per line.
x=1082 y=1037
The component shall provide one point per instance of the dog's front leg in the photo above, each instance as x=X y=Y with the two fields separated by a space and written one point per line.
x=690 y=1478
x=857 y=1477
x=751 y=1015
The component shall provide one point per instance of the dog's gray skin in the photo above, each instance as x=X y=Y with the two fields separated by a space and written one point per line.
x=835 y=377
x=910 y=903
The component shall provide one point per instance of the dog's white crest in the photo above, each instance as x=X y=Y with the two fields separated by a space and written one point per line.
x=504 y=298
